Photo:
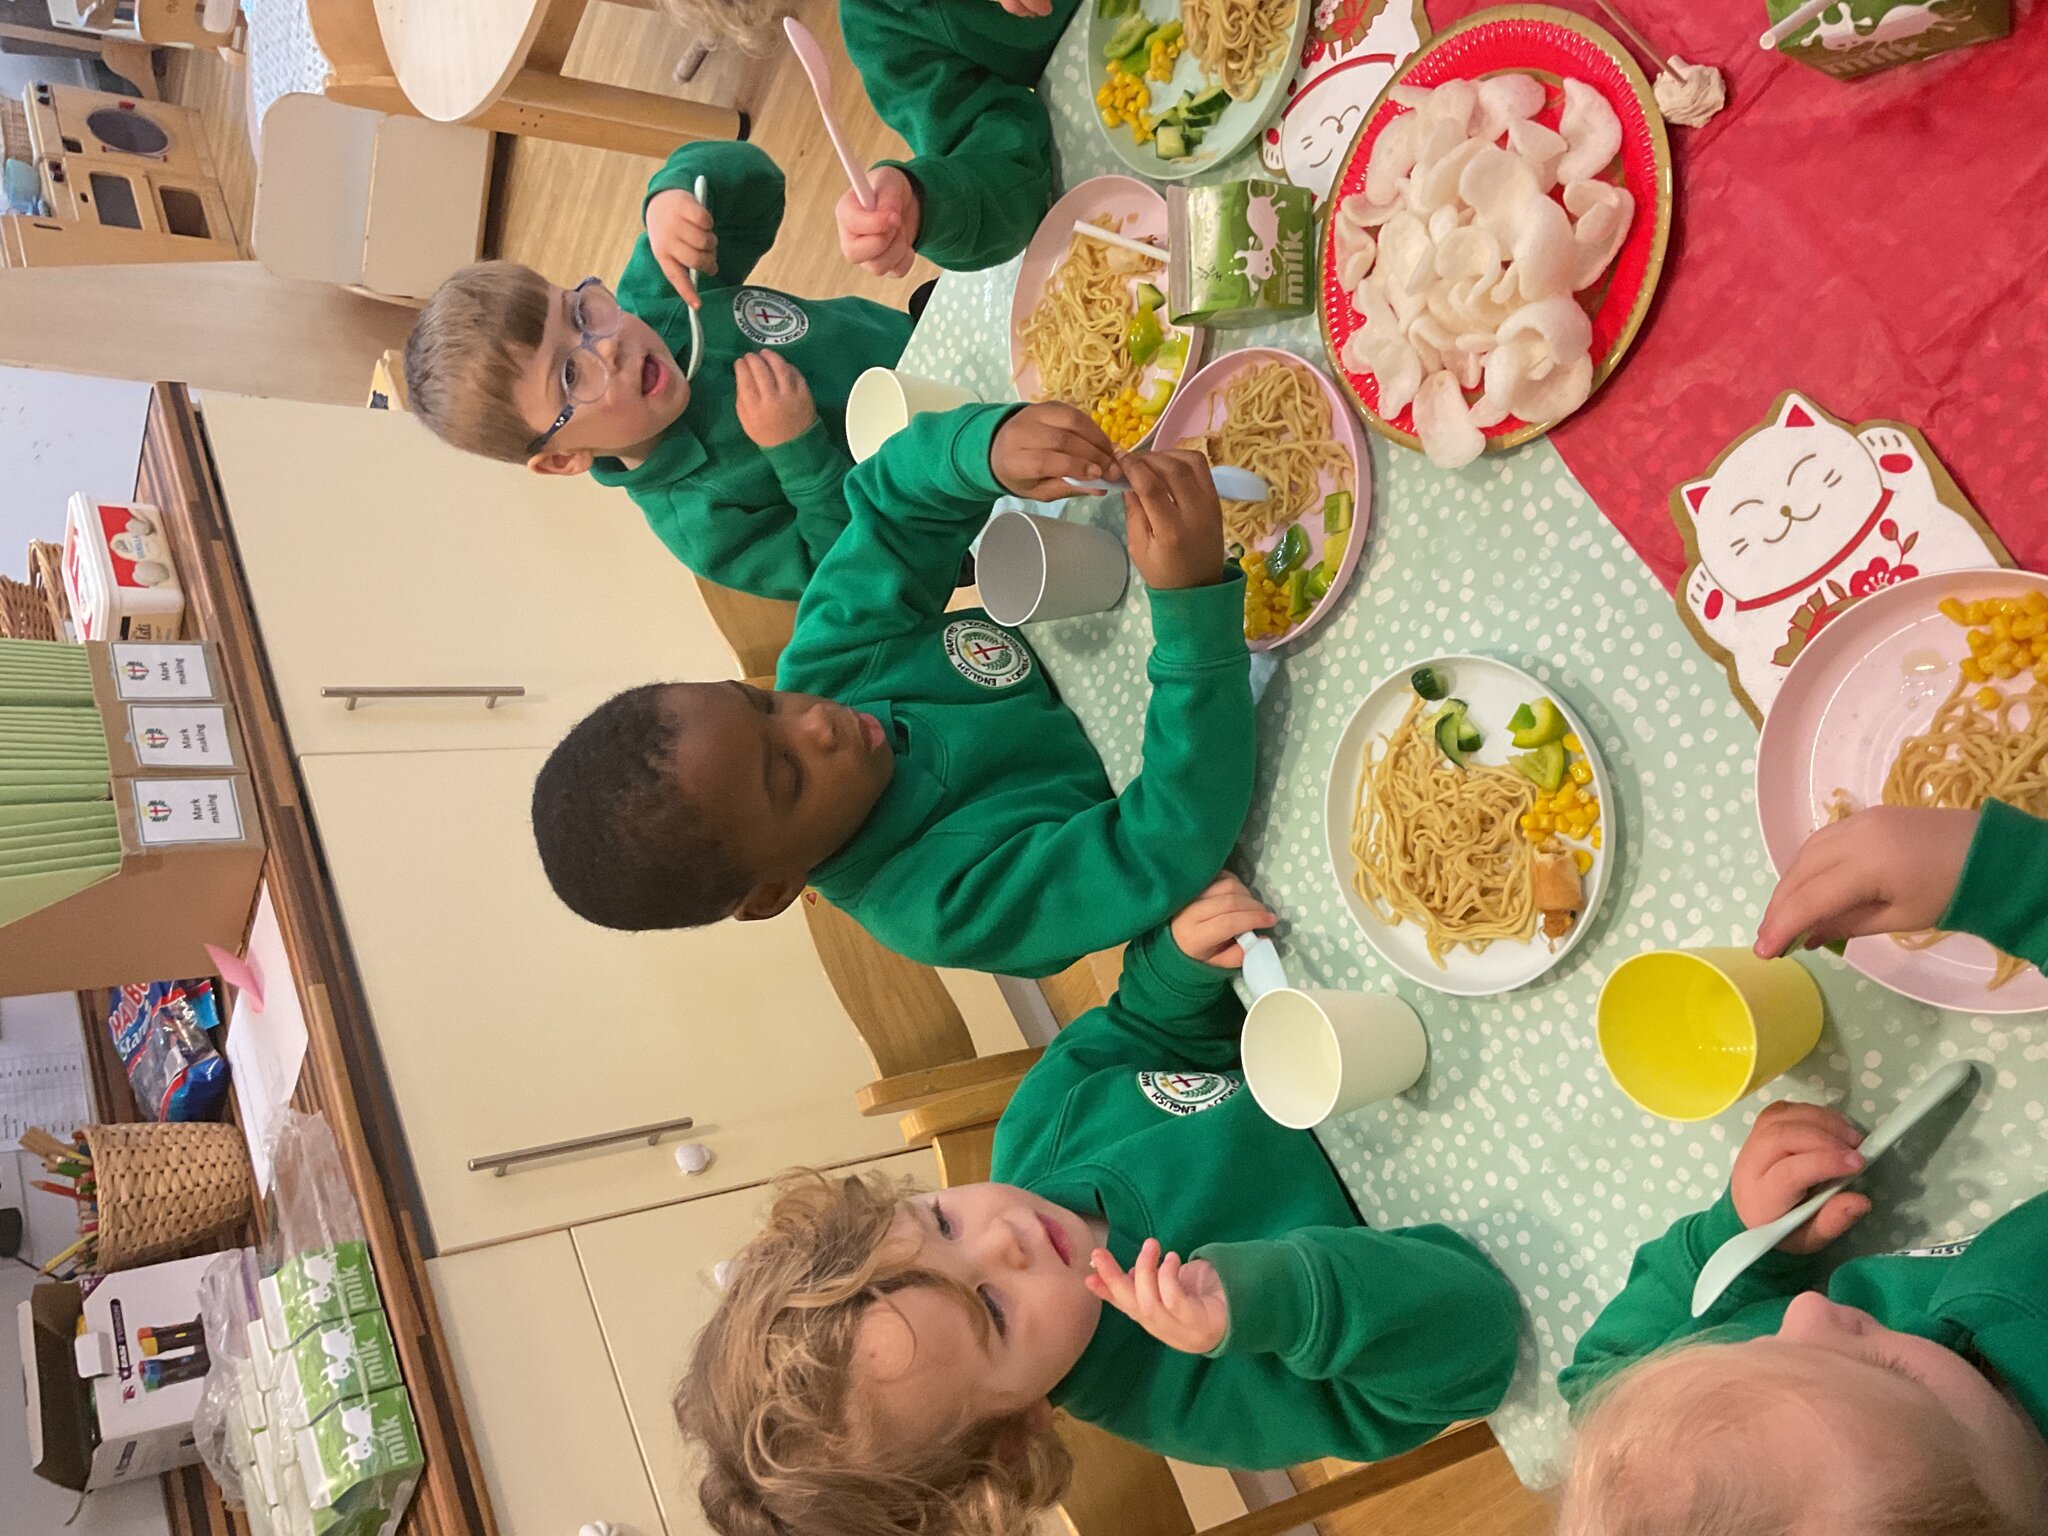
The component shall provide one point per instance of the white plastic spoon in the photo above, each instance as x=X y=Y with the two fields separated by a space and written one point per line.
x=812 y=57
x=1231 y=484
x=702 y=192
x=1729 y=1261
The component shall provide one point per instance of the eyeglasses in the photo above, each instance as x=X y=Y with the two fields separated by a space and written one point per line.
x=585 y=376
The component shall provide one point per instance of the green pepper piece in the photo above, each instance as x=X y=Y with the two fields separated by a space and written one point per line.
x=1143 y=336
x=1299 y=602
x=1336 y=511
x=1288 y=553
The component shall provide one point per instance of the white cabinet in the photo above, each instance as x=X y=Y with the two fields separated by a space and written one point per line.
x=505 y=1022
x=551 y=1430
x=378 y=557
x=650 y=1279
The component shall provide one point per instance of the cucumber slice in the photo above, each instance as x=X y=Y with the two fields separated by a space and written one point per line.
x=1170 y=142
x=1455 y=733
x=1429 y=683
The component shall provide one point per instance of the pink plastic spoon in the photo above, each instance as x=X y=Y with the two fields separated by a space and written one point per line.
x=812 y=57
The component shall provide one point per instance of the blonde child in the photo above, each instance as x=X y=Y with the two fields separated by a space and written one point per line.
x=1900 y=1395
x=887 y=1361
x=739 y=469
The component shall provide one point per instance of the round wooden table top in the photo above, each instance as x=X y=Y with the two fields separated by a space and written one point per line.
x=453 y=58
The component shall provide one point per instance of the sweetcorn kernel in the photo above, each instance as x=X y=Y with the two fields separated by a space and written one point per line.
x=1581 y=772
x=1572 y=742
x=1596 y=837
x=1987 y=698
x=1583 y=860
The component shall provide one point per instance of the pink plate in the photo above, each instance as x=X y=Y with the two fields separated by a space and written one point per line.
x=1550 y=44
x=1867 y=682
x=1189 y=415
x=1143 y=212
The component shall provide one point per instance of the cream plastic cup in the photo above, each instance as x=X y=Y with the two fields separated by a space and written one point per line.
x=1030 y=568
x=1311 y=1054
x=883 y=400
x=1689 y=1032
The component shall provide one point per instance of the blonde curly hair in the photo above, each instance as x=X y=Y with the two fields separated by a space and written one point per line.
x=790 y=1446
x=1683 y=1444
x=750 y=25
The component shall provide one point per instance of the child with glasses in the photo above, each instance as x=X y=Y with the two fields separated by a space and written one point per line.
x=734 y=449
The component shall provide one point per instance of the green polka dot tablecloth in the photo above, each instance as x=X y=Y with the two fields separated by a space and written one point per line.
x=1516 y=1136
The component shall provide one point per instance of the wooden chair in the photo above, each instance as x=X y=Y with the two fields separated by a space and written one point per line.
x=756 y=628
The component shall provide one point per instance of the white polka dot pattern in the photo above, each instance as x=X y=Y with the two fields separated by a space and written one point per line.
x=1516 y=1137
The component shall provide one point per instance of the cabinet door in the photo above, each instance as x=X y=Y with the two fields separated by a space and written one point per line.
x=377 y=556
x=650 y=1278
x=551 y=1429
x=505 y=1022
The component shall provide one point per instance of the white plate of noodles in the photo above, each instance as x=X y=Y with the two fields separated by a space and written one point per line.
x=1075 y=302
x=1444 y=892
x=1877 y=711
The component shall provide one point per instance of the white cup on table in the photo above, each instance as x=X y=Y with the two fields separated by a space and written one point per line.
x=1311 y=1054
x=1030 y=568
x=883 y=400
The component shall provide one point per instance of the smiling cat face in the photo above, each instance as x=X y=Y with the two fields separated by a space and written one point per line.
x=1784 y=503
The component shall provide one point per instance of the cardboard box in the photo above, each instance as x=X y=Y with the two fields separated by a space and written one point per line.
x=137 y=1370
x=164 y=710
x=351 y=1358
x=315 y=1288
x=358 y=1464
x=1240 y=253
x=191 y=859
x=1861 y=37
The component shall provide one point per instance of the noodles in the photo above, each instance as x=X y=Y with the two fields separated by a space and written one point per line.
x=1076 y=335
x=1439 y=846
x=1235 y=40
x=1276 y=423
x=1968 y=755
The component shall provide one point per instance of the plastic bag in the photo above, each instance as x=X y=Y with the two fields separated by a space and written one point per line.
x=227 y=1308
x=162 y=1032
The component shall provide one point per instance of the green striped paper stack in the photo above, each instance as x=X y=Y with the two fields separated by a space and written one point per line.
x=58 y=834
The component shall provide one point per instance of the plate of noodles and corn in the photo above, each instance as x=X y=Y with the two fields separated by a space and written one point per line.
x=1933 y=692
x=1088 y=319
x=1180 y=86
x=1267 y=411
x=1465 y=816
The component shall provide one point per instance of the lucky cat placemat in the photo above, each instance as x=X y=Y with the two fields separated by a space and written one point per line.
x=1799 y=518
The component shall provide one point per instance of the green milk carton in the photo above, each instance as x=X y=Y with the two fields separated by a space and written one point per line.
x=319 y=1286
x=352 y=1357
x=358 y=1464
x=1853 y=38
x=1239 y=253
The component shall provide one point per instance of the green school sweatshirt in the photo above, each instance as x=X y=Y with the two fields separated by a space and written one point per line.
x=1985 y=1297
x=758 y=519
x=2003 y=894
x=958 y=78
x=999 y=845
x=1344 y=1340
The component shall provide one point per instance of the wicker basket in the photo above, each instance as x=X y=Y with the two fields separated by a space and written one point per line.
x=14 y=132
x=46 y=576
x=23 y=613
x=165 y=1190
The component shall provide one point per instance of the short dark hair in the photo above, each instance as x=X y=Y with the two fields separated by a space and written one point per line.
x=623 y=843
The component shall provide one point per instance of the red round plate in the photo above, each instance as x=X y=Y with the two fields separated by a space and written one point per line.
x=1549 y=44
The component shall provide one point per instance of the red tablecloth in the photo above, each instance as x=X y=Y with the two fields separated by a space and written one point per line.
x=1875 y=243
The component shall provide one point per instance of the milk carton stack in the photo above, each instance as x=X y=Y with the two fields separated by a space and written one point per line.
x=322 y=1432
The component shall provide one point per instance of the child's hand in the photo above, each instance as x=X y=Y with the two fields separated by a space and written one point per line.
x=1793 y=1148
x=774 y=402
x=1206 y=929
x=1890 y=869
x=679 y=234
x=1180 y=1305
x=882 y=239
x=1040 y=446
x=1173 y=521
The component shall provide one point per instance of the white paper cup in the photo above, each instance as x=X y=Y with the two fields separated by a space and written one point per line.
x=1030 y=568
x=883 y=400
x=1311 y=1055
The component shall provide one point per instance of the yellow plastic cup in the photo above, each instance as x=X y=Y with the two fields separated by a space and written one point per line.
x=1688 y=1032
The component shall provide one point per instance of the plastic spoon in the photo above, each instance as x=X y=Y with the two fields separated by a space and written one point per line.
x=1737 y=1254
x=702 y=192
x=1231 y=484
x=812 y=57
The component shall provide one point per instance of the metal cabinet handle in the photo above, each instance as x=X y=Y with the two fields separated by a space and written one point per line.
x=490 y=696
x=501 y=1163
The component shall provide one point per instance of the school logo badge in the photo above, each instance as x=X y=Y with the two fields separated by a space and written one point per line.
x=158 y=811
x=1186 y=1093
x=153 y=736
x=985 y=655
x=137 y=671
x=768 y=319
